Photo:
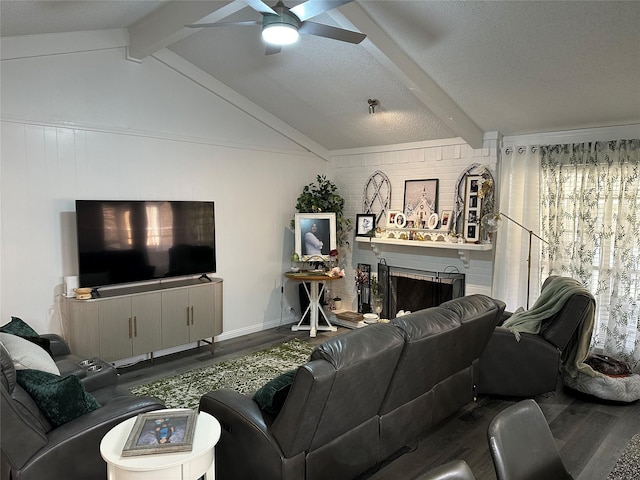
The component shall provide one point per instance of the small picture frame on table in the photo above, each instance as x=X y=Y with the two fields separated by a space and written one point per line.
x=365 y=223
x=161 y=432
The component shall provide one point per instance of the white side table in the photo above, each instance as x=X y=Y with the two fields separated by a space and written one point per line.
x=164 y=466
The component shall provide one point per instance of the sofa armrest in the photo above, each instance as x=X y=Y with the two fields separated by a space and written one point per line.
x=80 y=439
x=246 y=436
x=518 y=368
x=58 y=345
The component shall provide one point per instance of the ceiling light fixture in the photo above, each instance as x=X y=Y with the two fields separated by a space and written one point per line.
x=373 y=103
x=280 y=29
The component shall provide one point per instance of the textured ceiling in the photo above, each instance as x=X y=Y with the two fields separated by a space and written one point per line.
x=440 y=69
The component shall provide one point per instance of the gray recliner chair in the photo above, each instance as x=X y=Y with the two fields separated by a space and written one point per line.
x=33 y=449
x=522 y=446
x=532 y=365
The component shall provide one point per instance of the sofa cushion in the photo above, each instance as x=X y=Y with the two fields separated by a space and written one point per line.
x=20 y=328
x=272 y=395
x=27 y=355
x=61 y=399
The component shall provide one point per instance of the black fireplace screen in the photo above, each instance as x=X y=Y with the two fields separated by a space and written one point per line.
x=412 y=290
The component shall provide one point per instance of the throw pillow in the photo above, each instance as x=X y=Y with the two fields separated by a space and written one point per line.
x=60 y=399
x=272 y=395
x=18 y=327
x=26 y=355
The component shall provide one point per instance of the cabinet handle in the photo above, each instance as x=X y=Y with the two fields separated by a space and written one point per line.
x=191 y=314
x=187 y=316
x=135 y=326
x=129 y=327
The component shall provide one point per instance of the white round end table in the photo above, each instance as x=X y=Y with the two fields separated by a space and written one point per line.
x=163 y=466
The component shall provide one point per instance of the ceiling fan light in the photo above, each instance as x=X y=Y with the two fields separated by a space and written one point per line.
x=281 y=29
x=280 y=34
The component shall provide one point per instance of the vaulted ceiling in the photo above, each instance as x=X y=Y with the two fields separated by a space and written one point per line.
x=440 y=69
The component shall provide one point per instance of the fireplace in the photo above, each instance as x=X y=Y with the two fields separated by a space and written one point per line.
x=411 y=290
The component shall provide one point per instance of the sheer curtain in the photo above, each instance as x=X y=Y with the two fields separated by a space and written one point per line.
x=518 y=192
x=590 y=214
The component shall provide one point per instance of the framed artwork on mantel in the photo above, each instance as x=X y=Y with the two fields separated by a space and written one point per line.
x=365 y=222
x=472 y=208
x=420 y=201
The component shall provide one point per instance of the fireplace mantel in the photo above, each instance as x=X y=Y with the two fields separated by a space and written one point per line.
x=464 y=249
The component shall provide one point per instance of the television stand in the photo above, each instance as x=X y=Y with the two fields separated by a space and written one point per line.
x=141 y=319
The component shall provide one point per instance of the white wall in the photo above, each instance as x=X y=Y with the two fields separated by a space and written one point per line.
x=444 y=160
x=94 y=125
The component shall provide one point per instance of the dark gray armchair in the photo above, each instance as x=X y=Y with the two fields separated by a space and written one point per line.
x=33 y=449
x=532 y=365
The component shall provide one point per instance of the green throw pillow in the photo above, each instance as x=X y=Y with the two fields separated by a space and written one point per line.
x=18 y=327
x=60 y=399
x=272 y=395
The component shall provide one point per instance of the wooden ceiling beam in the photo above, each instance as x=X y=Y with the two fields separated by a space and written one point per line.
x=386 y=50
x=166 y=25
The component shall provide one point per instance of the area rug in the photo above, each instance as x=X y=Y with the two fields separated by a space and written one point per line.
x=244 y=374
x=628 y=465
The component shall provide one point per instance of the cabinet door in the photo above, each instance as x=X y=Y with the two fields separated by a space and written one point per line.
x=201 y=300
x=83 y=327
x=116 y=328
x=147 y=323
x=176 y=317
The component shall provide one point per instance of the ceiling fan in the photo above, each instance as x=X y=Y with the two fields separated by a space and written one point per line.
x=281 y=25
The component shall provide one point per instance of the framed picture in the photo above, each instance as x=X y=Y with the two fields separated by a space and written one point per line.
x=472 y=208
x=161 y=432
x=401 y=220
x=420 y=200
x=315 y=236
x=445 y=219
x=432 y=223
x=391 y=218
x=365 y=223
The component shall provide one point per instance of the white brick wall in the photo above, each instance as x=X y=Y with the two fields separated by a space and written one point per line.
x=444 y=160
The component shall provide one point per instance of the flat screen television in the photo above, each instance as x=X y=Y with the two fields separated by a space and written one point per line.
x=121 y=241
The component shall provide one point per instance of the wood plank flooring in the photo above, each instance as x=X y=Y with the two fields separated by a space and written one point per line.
x=591 y=435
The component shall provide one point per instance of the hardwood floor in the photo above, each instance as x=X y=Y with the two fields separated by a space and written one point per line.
x=590 y=434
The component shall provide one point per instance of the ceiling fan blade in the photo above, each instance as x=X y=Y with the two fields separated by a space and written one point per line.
x=272 y=49
x=321 y=30
x=260 y=6
x=224 y=24
x=311 y=8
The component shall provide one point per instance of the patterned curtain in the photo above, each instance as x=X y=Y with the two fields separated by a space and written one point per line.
x=590 y=214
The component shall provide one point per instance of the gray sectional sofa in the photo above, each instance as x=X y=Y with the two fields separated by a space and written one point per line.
x=361 y=397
